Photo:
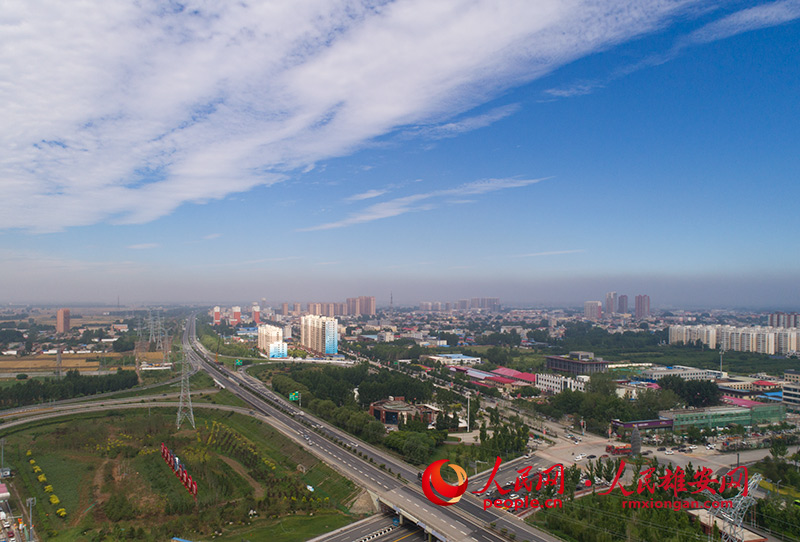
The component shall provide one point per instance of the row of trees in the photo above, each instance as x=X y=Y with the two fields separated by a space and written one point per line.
x=73 y=385
x=694 y=393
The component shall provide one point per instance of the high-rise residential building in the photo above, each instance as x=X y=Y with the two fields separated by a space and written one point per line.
x=353 y=306
x=285 y=309
x=593 y=310
x=611 y=303
x=366 y=305
x=320 y=334
x=267 y=335
x=62 y=321
x=463 y=304
x=315 y=308
x=296 y=309
x=783 y=319
x=622 y=305
x=256 y=314
x=426 y=306
x=642 y=307
x=491 y=304
x=236 y=316
x=217 y=316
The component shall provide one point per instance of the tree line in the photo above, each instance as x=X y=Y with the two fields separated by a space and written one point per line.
x=73 y=385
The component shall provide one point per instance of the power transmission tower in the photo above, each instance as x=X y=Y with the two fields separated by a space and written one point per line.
x=185 y=407
x=151 y=323
x=732 y=518
x=160 y=332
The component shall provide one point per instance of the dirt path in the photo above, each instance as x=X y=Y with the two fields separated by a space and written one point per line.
x=258 y=489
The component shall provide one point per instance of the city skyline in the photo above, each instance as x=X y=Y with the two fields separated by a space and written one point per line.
x=201 y=156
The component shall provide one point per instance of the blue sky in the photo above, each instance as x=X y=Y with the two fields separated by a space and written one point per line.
x=544 y=154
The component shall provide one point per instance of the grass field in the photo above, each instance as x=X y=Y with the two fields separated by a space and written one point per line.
x=92 y=459
x=289 y=529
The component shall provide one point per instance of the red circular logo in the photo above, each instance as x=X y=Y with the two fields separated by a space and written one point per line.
x=432 y=480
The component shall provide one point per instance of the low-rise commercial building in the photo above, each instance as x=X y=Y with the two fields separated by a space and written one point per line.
x=791 y=390
x=394 y=410
x=748 y=414
x=577 y=363
x=552 y=384
x=454 y=359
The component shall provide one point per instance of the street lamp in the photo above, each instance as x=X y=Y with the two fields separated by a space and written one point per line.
x=31 y=503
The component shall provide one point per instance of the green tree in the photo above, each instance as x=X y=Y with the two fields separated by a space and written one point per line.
x=778 y=449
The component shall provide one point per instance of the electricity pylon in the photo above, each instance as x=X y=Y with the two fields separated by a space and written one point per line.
x=185 y=407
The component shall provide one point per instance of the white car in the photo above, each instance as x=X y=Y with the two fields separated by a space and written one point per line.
x=669 y=452
x=692 y=447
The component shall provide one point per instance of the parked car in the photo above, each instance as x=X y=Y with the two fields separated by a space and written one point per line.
x=662 y=449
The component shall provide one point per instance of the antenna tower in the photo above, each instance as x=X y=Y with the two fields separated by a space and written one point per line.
x=185 y=408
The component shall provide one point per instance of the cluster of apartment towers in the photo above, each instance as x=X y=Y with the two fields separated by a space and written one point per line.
x=319 y=329
x=617 y=305
x=781 y=335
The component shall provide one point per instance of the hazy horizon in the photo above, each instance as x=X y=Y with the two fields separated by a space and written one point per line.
x=543 y=153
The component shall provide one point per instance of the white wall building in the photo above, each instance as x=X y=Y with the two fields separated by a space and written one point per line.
x=551 y=383
x=267 y=335
x=686 y=373
x=759 y=339
x=320 y=334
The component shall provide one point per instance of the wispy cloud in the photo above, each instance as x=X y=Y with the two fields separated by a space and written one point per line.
x=452 y=129
x=574 y=89
x=212 y=236
x=424 y=201
x=369 y=194
x=123 y=111
x=143 y=246
x=746 y=20
x=549 y=253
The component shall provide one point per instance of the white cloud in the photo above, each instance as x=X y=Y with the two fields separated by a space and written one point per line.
x=212 y=236
x=143 y=246
x=746 y=20
x=123 y=111
x=452 y=129
x=369 y=194
x=424 y=201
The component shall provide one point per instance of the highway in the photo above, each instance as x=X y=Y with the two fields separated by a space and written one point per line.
x=465 y=521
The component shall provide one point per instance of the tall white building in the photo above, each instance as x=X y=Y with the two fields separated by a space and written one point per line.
x=320 y=334
x=267 y=335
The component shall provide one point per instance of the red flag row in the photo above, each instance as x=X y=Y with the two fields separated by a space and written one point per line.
x=179 y=470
